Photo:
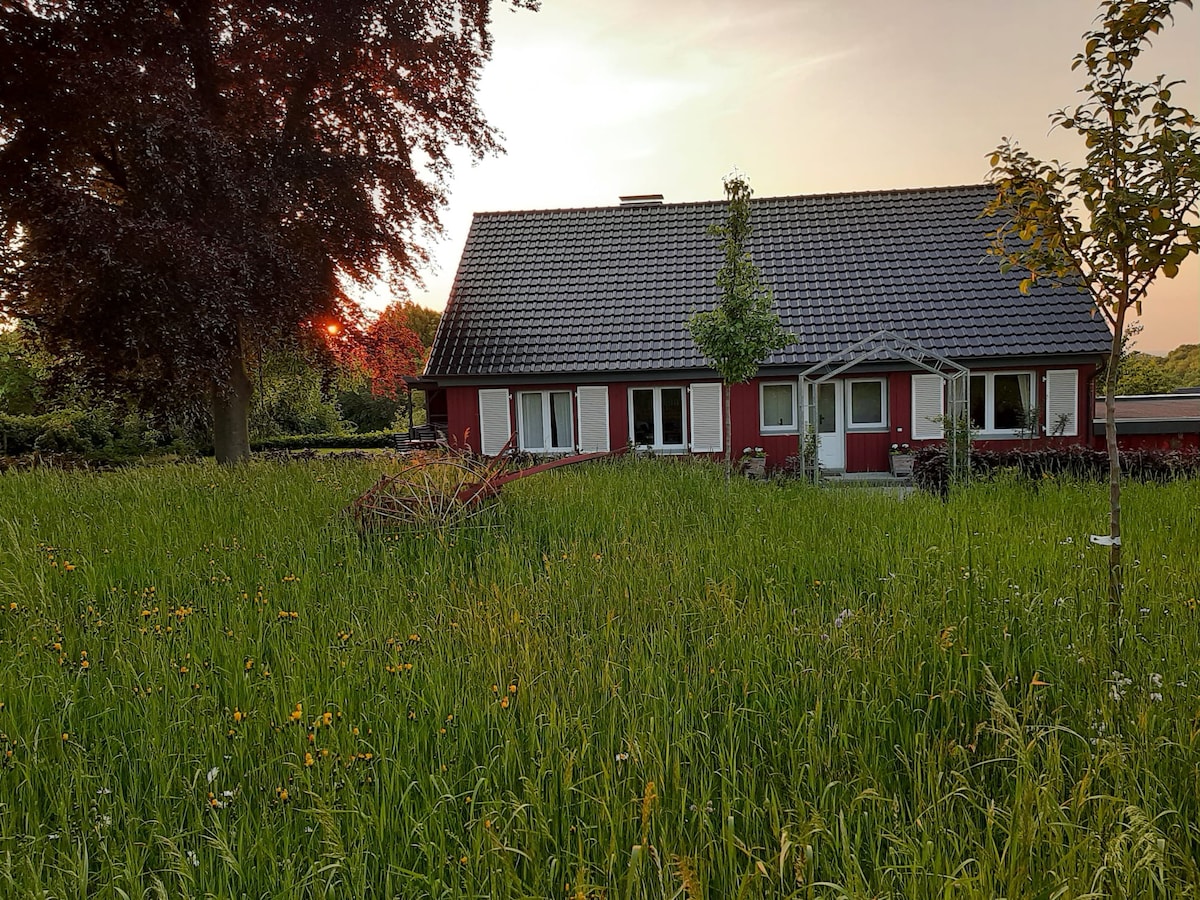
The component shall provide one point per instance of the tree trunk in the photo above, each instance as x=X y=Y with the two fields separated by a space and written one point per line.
x=1114 y=479
x=231 y=412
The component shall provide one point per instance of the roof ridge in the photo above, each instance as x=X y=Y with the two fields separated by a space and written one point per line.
x=877 y=192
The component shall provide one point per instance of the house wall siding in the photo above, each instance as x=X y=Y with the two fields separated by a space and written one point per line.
x=462 y=413
x=618 y=416
x=866 y=451
x=1181 y=440
x=899 y=410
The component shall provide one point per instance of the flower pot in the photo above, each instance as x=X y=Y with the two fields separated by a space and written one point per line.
x=754 y=467
x=901 y=464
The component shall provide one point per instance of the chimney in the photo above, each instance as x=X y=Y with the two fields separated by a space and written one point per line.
x=642 y=200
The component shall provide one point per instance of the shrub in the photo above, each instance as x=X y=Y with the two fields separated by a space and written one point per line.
x=17 y=433
x=62 y=431
x=931 y=472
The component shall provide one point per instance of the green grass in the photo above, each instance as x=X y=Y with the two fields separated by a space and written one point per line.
x=638 y=682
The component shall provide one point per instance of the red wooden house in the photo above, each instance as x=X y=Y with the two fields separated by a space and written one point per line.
x=568 y=328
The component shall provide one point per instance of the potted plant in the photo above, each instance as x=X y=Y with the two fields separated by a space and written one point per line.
x=900 y=460
x=754 y=462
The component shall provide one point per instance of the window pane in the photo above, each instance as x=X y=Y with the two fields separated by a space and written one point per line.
x=978 y=400
x=643 y=417
x=561 y=436
x=866 y=403
x=827 y=408
x=533 y=436
x=778 y=408
x=672 y=417
x=1012 y=400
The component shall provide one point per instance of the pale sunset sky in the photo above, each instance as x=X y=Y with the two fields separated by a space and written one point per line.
x=598 y=98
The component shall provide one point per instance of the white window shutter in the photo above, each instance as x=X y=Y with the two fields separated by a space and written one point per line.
x=495 y=421
x=707 y=421
x=1062 y=402
x=592 y=403
x=927 y=407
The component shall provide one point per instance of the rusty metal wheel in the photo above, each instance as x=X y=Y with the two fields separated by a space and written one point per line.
x=433 y=492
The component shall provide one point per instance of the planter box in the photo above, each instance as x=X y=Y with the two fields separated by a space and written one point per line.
x=755 y=467
x=901 y=464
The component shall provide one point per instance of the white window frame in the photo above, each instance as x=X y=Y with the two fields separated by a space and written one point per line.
x=881 y=425
x=546 y=430
x=989 y=429
x=763 y=426
x=658 y=445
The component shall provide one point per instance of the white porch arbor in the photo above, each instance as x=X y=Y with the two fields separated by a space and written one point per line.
x=887 y=346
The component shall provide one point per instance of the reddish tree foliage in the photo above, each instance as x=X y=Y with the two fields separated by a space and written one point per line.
x=385 y=350
x=180 y=181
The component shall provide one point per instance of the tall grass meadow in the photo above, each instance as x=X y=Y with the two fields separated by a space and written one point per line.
x=635 y=680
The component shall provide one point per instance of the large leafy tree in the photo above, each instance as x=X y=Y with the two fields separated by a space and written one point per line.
x=743 y=328
x=1125 y=216
x=422 y=321
x=384 y=351
x=183 y=182
x=1145 y=373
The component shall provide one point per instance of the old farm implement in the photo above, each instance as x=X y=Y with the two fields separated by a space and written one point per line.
x=446 y=489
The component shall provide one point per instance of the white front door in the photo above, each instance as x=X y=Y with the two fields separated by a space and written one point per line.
x=831 y=425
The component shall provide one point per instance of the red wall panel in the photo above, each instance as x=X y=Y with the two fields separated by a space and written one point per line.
x=743 y=414
x=462 y=408
x=867 y=451
x=1181 y=441
x=618 y=416
x=899 y=409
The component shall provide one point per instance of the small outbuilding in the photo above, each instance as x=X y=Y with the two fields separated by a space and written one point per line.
x=1153 y=421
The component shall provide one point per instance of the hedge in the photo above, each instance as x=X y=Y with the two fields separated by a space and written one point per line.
x=326 y=441
x=931 y=471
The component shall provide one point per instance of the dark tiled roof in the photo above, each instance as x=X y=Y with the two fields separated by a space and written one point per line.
x=611 y=289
